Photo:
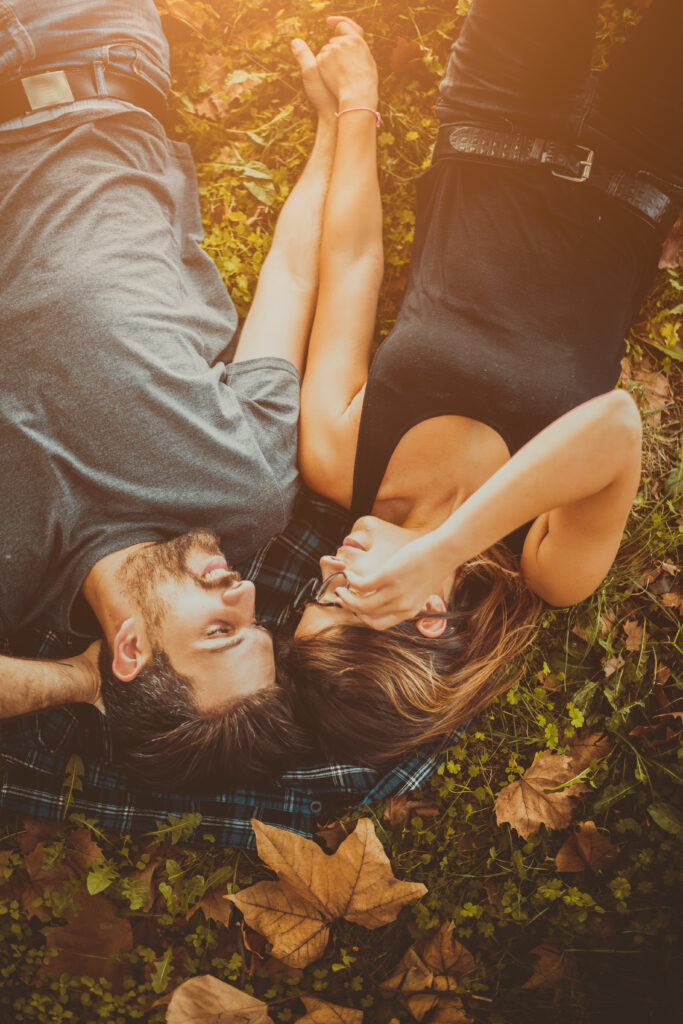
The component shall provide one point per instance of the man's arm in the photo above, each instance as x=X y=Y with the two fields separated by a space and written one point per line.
x=27 y=685
x=280 y=317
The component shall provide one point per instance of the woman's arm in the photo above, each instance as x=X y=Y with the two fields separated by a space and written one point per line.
x=351 y=266
x=579 y=476
x=27 y=686
x=280 y=316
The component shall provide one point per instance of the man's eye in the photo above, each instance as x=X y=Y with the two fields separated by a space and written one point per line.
x=222 y=630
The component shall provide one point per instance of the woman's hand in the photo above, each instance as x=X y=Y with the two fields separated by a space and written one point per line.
x=384 y=595
x=319 y=96
x=347 y=66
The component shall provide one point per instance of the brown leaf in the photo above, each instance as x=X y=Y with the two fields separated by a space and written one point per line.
x=318 y=1012
x=428 y=974
x=663 y=675
x=399 y=808
x=36 y=832
x=206 y=1000
x=333 y=835
x=528 y=803
x=674 y=599
x=226 y=88
x=634 y=634
x=215 y=906
x=549 y=968
x=404 y=53
x=672 y=250
x=355 y=883
x=585 y=848
x=93 y=935
x=586 y=746
x=610 y=666
x=443 y=1009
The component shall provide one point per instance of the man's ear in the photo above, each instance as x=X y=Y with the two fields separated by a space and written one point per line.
x=130 y=651
x=433 y=627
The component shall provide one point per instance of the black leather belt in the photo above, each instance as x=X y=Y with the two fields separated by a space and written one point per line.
x=48 y=89
x=572 y=163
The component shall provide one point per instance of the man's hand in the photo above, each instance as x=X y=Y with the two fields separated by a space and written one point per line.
x=347 y=66
x=319 y=96
x=86 y=668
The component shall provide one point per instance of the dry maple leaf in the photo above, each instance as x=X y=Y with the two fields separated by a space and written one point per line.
x=586 y=746
x=674 y=599
x=428 y=975
x=94 y=933
x=355 y=883
x=399 y=808
x=334 y=834
x=404 y=53
x=529 y=802
x=207 y=1000
x=585 y=848
x=549 y=967
x=214 y=906
x=611 y=665
x=318 y=1012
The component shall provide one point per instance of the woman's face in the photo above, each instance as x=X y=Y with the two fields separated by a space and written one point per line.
x=370 y=534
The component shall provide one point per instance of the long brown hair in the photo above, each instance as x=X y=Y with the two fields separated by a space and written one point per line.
x=373 y=696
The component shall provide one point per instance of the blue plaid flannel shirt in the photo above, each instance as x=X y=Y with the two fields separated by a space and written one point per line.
x=36 y=748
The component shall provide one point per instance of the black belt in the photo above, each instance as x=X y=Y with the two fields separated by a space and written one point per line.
x=47 y=89
x=573 y=163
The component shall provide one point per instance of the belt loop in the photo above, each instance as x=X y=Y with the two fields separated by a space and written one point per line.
x=98 y=73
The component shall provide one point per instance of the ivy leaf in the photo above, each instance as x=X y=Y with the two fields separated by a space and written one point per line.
x=585 y=848
x=536 y=798
x=319 y=1012
x=355 y=883
x=211 y=1001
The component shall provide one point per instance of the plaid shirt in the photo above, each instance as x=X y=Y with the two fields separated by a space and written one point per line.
x=36 y=748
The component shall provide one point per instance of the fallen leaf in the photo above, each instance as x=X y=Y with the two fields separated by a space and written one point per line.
x=607 y=622
x=404 y=53
x=674 y=599
x=207 y=1000
x=334 y=834
x=35 y=832
x=585 y=848
x=586 y=746
x=318 y=1012
x=399 y=808
x=635 y=634
x=226 y=90
x=529 y=802
x=663 y=675
x=428 y=974
x=215 y=906
x=549 y=968
x=610 y=666
x=355 y=883
x=672 y=250
x=93 y=935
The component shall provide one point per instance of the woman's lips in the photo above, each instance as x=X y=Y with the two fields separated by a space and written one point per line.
x=349 y=542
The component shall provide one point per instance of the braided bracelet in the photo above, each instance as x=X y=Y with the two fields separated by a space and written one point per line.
x=349 y=110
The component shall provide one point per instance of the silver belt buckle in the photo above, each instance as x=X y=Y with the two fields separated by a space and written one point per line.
x=586 y=166
x=49 y=89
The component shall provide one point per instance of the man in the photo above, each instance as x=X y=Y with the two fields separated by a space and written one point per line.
x=129 y=453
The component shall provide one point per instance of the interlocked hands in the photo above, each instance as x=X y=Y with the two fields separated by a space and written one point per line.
x=343 y=74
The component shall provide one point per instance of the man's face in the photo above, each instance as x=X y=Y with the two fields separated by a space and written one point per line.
x=202 y=615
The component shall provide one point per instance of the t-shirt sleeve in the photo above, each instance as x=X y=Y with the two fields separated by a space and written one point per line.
x=268 y=391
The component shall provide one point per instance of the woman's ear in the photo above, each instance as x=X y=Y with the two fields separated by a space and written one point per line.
x=128 y=658
x=435 y=627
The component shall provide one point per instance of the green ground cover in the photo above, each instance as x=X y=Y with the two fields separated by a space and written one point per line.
x=607 y=937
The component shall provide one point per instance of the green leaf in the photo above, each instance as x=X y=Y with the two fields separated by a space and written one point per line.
x=100 y=878
x=668 y=818
x=161 y=973
x=73 y=780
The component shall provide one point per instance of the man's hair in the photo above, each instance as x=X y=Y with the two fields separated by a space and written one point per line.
x=163 y=739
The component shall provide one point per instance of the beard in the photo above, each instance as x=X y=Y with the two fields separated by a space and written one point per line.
x=146 y=571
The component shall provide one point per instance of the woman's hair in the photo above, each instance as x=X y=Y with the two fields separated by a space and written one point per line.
x=372 y=696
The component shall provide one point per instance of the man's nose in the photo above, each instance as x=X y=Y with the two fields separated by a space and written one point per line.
x=240 y=597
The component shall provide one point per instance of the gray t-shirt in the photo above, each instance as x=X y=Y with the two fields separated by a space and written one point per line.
x=117 y=425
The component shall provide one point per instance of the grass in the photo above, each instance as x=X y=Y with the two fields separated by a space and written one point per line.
x=617 y=930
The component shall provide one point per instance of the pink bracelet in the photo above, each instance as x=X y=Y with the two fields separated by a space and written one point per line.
x=348 y=110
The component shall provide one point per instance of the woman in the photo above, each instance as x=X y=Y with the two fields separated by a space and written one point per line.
x=487 y=423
